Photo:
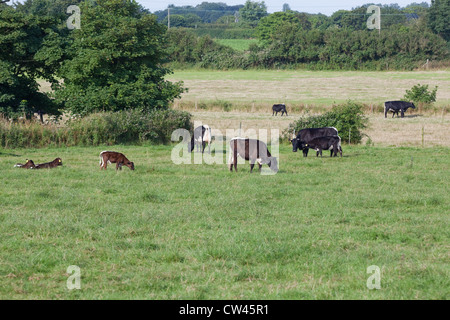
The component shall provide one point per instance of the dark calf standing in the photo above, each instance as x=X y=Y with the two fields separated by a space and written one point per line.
x=49 y=165
x=114 y=157
x=396 y=106
x=332 y=143
x=279 y=108
x=252 y=150
x=306 y=135
x=28 y=165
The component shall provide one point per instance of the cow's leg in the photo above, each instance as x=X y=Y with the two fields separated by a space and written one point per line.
x=320 y=152
x=235 y=161
x=385 y=112
x=305 y=152
x=231 y=162
x=204 y=146
x=252 y=165
x=402 y=112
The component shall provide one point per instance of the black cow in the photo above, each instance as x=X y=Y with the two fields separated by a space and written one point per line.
x=306 y=135
x=332 y=143
x=279 y=108
x=252 y=150
x=396 y=106
x=202 y=135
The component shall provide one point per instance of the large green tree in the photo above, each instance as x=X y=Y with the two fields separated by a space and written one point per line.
x=30 y=49
x=115 y=61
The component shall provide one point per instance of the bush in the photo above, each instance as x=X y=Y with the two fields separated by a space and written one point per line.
x=421 y=95
x=348 y=119
x=130 y=126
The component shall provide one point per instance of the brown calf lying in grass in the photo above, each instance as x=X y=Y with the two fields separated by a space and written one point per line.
x=28 y=165
x=49 y=165
x=114 y=157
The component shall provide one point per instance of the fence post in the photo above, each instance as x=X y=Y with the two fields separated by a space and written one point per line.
x=349 y=134
x=423 y=136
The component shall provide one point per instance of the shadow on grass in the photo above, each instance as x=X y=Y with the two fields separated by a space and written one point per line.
x=9 y=154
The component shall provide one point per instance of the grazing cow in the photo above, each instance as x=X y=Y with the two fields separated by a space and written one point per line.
x=279 y=108
x=396 y=106
x=306 y=135
x=49 y=165
x=114 y=157
x=252 y=150
x=202 y=135
x=28 y=165
x=332 y=143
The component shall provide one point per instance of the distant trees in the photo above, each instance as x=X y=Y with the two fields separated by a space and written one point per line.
x=439 y=18
x=252 y=12
x=207 y=12
x=271 y=25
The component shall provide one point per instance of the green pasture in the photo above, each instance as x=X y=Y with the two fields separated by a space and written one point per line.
x=167 y=231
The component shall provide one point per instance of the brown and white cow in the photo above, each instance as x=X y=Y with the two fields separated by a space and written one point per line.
x=28 y=165
x=114 y=157
x=49 y=165
x=252 y=150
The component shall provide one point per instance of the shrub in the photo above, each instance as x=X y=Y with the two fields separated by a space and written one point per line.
x=130 y=126
x=421 y=95
x=348 y=119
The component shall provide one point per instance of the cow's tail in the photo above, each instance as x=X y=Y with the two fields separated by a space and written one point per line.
x=339 y=147
x=101 y=159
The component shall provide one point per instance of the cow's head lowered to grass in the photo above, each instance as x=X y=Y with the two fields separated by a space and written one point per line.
x=252 y=150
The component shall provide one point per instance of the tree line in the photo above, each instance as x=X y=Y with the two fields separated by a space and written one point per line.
x=120 y=56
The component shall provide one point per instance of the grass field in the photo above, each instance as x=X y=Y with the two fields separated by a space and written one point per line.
x=319 y=88
x=167 y=231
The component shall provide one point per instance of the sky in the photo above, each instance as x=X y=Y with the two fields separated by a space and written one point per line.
x=327 y=7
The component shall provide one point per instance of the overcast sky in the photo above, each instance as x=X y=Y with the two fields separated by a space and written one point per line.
x=315 y=6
